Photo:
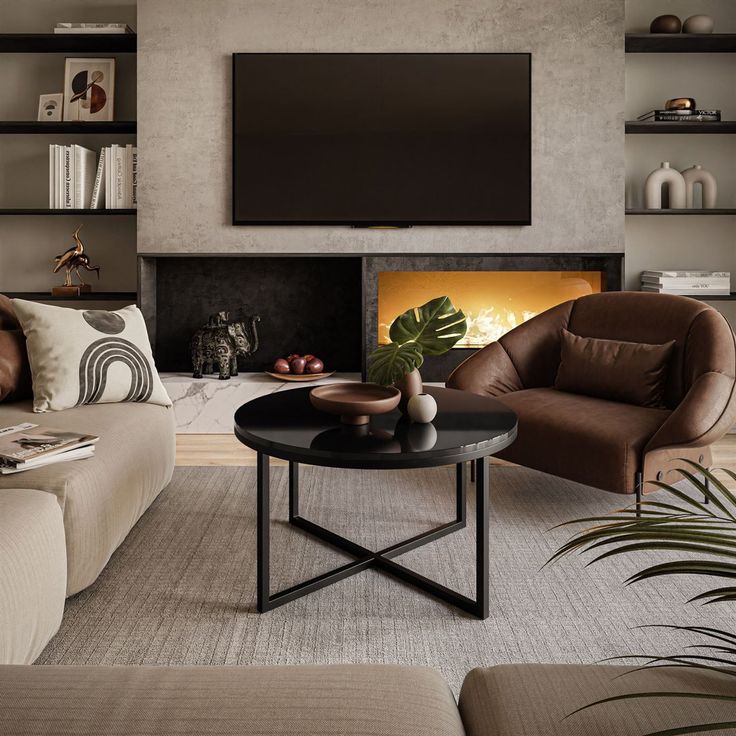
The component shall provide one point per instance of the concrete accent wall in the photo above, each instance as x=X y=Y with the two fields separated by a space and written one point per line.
x=184 y=113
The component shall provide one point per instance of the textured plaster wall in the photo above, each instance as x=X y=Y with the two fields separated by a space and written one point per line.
x=184 y=113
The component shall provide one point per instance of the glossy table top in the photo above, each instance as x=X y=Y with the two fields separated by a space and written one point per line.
x=286 y=425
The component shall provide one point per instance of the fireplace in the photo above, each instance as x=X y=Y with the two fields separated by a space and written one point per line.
x=338 y=307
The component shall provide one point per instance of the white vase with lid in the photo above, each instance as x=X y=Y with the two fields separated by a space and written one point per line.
x=675 y=184
x=697 y=174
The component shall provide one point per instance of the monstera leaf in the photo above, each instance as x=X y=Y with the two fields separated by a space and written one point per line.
x=435 y=326
x=390 y=363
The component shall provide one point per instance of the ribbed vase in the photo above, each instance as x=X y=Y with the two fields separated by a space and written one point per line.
x=697 y=174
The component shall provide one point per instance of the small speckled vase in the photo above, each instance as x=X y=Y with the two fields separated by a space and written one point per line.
x=697 y=174
x=675 y=185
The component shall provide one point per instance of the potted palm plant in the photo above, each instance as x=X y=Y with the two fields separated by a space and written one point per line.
x=705 y=532
x=431 y=329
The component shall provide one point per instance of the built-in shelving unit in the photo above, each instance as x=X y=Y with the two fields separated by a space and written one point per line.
x=51 y=43
x=680 y=43
x=718 y=211
x=91 y=296
x=722 y=126
x=31 y=127
x=716 y=298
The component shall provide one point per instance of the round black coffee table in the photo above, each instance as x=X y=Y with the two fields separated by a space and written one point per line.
x=467 y=428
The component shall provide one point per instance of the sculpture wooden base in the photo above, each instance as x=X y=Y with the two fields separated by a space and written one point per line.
x=70 y=290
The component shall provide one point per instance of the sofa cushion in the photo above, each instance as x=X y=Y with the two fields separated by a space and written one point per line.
x=15 y=372
x=382 y=700
x=8 y=320
x=588 y=440
x=102 y=497
x=630 y=372
x=88 y=356
x=533 y=700
x=32 y=573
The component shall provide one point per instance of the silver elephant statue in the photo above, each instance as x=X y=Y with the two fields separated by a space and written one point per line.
x=217 y=346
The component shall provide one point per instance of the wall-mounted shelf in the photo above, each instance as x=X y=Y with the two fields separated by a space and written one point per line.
x=92 y=296
x=76 y=213
x=68 y=43
x=719 y=211
x=115 y=127
x=722 y=126
x=680 y=43
x=715 y=298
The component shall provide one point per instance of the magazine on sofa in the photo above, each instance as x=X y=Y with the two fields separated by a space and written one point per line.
x=26 y=446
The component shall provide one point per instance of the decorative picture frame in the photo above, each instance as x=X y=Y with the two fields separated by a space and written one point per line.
x=50 y=107
x=89 y=89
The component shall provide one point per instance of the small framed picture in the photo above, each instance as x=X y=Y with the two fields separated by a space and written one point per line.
x=89 y=89
x=50 y=106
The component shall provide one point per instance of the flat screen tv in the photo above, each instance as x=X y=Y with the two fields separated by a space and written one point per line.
x=381 y=139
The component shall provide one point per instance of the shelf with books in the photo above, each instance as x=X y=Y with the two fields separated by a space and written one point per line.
x=718 y=211
x=68 y=43
x=43 y=127
x=680 y=43
x=722 y=126
x=76 y=212
x=91 y=296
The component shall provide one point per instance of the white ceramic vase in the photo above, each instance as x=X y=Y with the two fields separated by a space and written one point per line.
x=675 y=185
x=698 y=24
x=422 y=408
x=697 y=174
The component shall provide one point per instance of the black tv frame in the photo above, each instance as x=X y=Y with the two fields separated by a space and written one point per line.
x=379 y=224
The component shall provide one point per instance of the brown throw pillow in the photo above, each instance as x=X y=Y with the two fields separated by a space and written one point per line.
x=8 y=320
x=630 y=372
x=15 y=372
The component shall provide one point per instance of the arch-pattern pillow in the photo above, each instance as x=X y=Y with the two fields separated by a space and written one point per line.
x=88 y=356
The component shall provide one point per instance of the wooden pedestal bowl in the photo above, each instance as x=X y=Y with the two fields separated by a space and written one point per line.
x=355 y=402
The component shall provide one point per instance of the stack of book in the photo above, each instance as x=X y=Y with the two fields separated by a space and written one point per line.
x=687 y=283
x=92 y=28
x=27 y=446
x=681 y=116
x=73 y=183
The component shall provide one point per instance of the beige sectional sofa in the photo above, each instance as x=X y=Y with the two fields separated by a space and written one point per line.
x=346 y=700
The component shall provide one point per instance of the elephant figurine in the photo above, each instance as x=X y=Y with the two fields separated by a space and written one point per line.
x=220 y=342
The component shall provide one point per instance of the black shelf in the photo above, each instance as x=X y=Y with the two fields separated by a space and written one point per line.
x=115 y=127
x=719 y=211
x=680 y=43
x=41 y=211
x=721 y=126
x=716 y=298
x=68 y=43
x=96 y=296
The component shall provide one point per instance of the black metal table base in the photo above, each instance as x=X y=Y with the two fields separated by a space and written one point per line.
x=382 y=559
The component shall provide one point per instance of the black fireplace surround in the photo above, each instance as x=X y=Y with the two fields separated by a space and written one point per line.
x=326 y=304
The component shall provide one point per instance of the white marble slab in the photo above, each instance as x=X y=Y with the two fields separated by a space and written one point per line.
x=206 y=405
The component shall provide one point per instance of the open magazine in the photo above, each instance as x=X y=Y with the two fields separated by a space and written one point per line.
x=26 y=446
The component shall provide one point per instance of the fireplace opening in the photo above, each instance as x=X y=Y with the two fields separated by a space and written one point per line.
x=494 y=302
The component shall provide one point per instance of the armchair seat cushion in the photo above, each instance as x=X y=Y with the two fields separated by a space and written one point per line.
x=588 y=440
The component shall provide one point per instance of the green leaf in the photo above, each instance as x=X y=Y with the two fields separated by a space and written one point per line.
x=435 y=326
x=391 y=362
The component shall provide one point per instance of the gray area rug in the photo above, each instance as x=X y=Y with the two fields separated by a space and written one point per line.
x=181 y=588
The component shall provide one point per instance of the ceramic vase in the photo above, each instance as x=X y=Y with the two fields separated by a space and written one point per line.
x=665 y=24
x=410 y=385
x=675 y=186
x=698 y=24
x=697 y=174
x=422 y=408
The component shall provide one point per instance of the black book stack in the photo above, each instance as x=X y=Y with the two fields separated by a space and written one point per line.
x=681 y=116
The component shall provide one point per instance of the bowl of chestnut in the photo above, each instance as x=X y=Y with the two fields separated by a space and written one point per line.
x=297 y=367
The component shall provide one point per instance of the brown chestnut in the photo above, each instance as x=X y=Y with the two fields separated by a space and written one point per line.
x=315 y=366
x=281 y=366
x=297 y=365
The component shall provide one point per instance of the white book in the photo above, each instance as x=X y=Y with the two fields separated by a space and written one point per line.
x=106 y=175
x=78 y=454
x=98 y=190
x=92 y=28
x=59 y=168
x=687 y=292
x=119 y=182
x=129 y=176
x=52 y=176
x=135 y=177
x=84 y=168
x=703 y=282
x=68 y=177
x=687 y=274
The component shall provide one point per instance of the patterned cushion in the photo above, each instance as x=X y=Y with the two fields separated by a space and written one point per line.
x=88 y=356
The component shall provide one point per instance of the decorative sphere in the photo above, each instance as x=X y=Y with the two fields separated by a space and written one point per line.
x=666 y=24
x=698 y=24
x=422 y=408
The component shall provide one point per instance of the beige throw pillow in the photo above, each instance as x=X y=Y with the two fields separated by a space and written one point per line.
x=88 y=356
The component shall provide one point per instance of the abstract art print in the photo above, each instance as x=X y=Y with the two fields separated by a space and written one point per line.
x=49 y=107
x=89 y=89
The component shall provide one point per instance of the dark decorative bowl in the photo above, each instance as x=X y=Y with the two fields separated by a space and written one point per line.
x=355 y=402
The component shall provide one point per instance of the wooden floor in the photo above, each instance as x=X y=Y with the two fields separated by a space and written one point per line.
x=224 y=449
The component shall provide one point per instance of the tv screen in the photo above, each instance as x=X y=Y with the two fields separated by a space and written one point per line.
x=381 y=139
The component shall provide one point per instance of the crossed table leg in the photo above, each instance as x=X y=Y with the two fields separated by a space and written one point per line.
x=382 y=559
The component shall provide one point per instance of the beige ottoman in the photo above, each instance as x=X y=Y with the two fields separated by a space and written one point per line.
x=32 y=573
x=327 y=700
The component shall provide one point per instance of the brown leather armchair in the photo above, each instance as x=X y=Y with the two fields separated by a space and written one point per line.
x=609 y=445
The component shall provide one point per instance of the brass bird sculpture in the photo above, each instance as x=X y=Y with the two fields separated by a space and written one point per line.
x=74 y=259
